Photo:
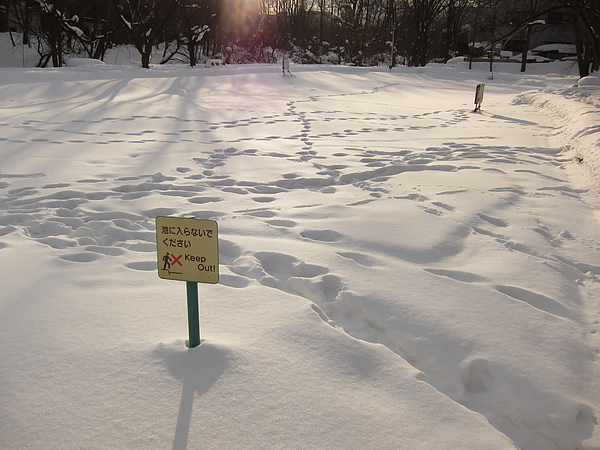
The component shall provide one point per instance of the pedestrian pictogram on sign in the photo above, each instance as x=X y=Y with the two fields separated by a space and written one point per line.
x=187 y=249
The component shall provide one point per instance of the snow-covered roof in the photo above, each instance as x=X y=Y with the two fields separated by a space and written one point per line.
x=561 y=48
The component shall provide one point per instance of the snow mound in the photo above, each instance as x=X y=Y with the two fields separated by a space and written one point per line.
x=532 y=83
x=591 y=80
x=84 y=62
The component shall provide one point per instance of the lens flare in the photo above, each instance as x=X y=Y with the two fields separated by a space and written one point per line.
x=238 y=16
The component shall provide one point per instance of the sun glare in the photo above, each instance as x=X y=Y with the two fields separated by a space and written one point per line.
x=237 y=14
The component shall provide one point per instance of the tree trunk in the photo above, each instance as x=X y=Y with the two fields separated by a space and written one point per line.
x=146 y=59
x=532 y=9
x=3 y=16
x=526 y=50
x=583 y=62
x=192 y=51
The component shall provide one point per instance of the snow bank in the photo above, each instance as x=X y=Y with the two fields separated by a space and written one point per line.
x=578 y=110
x=591 y=80
x=83 y=62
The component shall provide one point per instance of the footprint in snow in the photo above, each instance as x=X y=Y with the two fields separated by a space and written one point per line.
x=147 y=266
x=81 y=257
x=264 y=199
x=493 y=220
x=539 y=301
x=458 y=275
x=360 y=258
x=287 y=273
x=282 y=223
x=322 y=235
x=203 y=200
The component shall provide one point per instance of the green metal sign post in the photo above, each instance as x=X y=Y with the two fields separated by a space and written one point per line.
x=193 y=314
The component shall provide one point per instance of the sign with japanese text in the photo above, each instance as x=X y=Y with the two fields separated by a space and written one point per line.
x=187 y=249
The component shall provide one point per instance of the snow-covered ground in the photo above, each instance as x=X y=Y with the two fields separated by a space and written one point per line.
x=396 y=271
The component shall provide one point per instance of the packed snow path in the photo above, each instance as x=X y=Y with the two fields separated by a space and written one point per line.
x=449 y=257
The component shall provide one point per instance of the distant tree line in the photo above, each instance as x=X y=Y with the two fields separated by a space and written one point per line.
x=360 y=32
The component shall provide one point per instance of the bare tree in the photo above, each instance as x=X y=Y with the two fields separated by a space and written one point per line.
x=4 y=11
x=21 y=18
x=456 y=17
x=585 y=19
x=357 y=19
x=50 y=32
x=423 y=16
x=146 y=21
x=98 y=28
x=56 y=28
x=359 y=31
x=192 y=26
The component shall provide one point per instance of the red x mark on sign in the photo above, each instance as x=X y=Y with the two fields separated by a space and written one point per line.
x=176 y=260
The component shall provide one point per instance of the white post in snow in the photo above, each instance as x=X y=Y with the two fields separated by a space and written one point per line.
x=392 y=52
x=479 y=96
x=285 y=65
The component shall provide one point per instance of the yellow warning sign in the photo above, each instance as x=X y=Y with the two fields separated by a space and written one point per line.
x=187 y=249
